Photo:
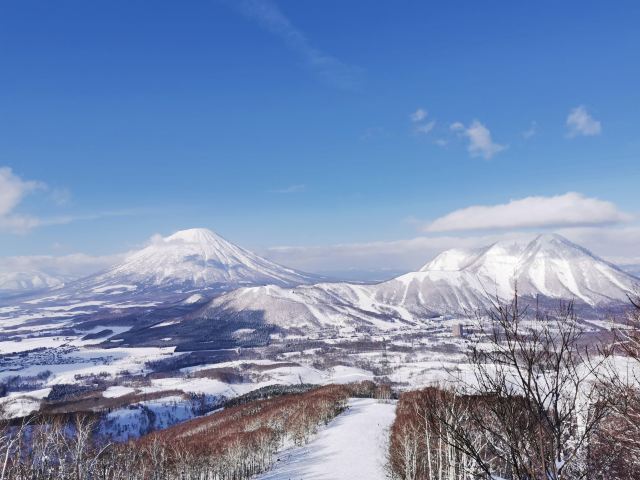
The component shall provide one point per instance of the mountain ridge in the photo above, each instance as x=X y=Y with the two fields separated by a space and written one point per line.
x=455 y=282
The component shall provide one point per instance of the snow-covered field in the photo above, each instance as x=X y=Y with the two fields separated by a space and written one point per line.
x=352 y=446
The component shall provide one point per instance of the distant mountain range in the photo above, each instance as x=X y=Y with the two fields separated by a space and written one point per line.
x=548 y=267
x=208 y=278
x=15 y=282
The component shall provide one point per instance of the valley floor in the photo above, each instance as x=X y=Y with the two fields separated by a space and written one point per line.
x=353 y=446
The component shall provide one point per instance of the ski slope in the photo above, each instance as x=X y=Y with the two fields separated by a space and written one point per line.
x=352 y=446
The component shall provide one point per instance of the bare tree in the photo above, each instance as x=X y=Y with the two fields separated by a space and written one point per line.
x=617 y=449
x=532 y=408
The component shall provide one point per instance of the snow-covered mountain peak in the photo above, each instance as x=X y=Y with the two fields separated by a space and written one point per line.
x=547 y=264
x=199 y=258
x=450 y=260
x=553 y=245
x=202 y=236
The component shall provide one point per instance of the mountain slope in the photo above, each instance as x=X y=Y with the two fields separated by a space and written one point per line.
x=198 y=258
x=457 y=281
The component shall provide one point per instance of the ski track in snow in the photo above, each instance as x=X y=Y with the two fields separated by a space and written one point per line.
x=353 y=446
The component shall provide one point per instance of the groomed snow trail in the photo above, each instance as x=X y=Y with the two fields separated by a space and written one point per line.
x=353 y=446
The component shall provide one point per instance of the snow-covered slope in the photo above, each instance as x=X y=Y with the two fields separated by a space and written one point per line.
x=197 y=259
x=320 y=306
x=354 y=445
x=456 y=281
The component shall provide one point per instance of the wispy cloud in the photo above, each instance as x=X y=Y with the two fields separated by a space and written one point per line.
x=418 y=118
x=425 y=128
x=408 y=254
x=581 y=123
x=479 y=137
x=269 y=16
x=568 y=210
x=13 y=189
x=290 y=189
x=69 y=266
x=531 y=131
x=419 y=115
x=60 y=196
x=84 y=217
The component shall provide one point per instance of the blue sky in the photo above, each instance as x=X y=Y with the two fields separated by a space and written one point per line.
x=315 y=123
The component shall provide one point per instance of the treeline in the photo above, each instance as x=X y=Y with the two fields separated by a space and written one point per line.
x=539 y=402
x=232 y=444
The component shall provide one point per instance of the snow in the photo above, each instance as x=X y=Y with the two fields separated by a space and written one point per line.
x=195 y=298
x=353 y=445
x=19 y=404
x=117 y=391
x=94 y=361
x=112 y=289
x=133 y=305
x=165 y=323
x=92 y=303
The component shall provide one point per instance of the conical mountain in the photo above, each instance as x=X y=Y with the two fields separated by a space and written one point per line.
x=198 y=259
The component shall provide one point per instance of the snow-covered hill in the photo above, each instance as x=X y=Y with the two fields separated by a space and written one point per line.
x=20 y=282
x=457 y=281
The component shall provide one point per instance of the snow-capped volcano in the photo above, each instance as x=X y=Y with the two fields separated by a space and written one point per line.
x=198 y=258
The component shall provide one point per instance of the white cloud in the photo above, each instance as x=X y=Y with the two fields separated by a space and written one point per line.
x=570 y=209
x=580 y=122
x=425 y=128
x=13 y=189
x=419 y=115
x=70 y=266
x=402 y=255
x=267 y=14
x=421 y=126
x=480 y=142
